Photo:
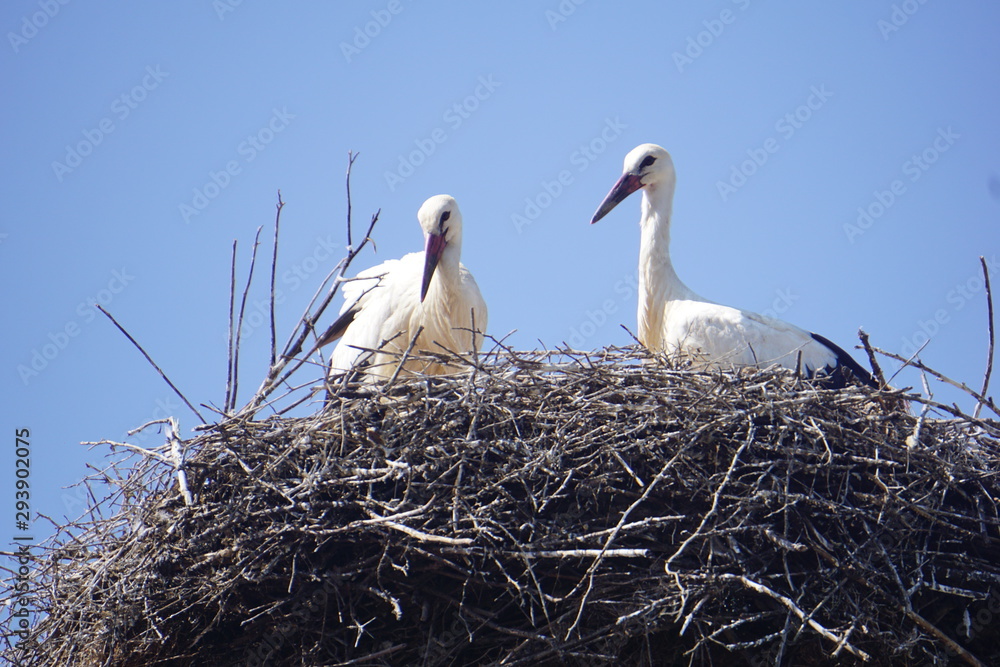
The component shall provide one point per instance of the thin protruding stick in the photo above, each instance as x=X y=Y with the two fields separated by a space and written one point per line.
x=177 y=459
x=239 y=321
x=989 y=354
x=274 y=271
x=305 y=326
x=308 y=322
x=150 y=360
x=232 y=324
x=405 y=357
x=944 y=378
x=945 y=639
x=351 y=157
x=277 y=373
x=877 y=370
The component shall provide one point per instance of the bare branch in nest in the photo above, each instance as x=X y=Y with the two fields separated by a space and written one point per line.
x=989 y=353
x=239 y=323
x=274 y=271
x=403 y=358
x=351 y=157
x=230 y=363
x=279 y=372
x=150 y=360
x=872 y=359
x=981 y=399
x=759 y=588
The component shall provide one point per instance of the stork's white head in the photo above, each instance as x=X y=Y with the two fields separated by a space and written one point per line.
x=646 y=166
x=442 y=224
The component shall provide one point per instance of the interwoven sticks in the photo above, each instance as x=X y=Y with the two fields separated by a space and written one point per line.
x=547 y=509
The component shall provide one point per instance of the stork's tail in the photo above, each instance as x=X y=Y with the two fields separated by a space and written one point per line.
x=845 y=362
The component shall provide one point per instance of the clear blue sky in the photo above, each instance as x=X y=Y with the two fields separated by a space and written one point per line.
x=140 y=139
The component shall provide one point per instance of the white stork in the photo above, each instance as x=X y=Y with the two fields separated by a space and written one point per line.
x=387 y=304
x=673 y=319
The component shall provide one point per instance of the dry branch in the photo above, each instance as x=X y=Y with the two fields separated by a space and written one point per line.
x=989 y=328
x=150 y=360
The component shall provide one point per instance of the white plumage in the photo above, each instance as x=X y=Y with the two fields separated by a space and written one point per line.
x=387 y=304
x=674 y=319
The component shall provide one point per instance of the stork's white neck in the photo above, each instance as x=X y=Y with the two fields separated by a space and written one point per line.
x=656 y=270
x=451 y=258
x=659 y=284
x=446 y=276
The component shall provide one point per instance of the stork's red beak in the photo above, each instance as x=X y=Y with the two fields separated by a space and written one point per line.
x=432 y=255
x=625 y=186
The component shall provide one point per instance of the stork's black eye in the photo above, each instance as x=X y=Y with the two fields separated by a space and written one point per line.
x=648 y=161
x=445 y=216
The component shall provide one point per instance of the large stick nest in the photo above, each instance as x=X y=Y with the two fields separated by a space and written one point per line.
x=545 y=510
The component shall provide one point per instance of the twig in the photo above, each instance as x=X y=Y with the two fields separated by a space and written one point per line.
x=232 y=325
x=588 y=553
x=872 y=359
x=943 y=378
x=149 y=453
x=907 y=361
x=419 y=535
x=989 y=354
x=913 y=440
x=351 y=157
x=177 y=459
x=239 y=322
x=150 y=360
x=274 y=271
x=404 y=357
x=945 y=639
x=792 y=607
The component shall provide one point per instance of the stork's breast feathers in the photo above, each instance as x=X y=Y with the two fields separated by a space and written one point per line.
x=366 y=284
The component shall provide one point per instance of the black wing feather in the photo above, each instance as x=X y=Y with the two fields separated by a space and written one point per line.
x=837 y=378
x=338 y=328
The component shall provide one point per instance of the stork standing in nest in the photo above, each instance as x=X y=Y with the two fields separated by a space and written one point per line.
x=431 y=292
x=674 y=319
